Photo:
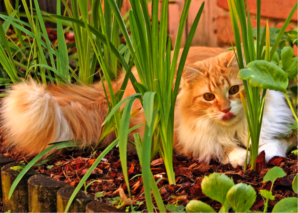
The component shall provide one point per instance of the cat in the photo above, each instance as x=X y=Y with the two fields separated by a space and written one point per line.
x=209 y=119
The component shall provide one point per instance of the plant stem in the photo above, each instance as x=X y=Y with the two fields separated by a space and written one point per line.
x=267 y=199
x=291 y=107
x=248 y=139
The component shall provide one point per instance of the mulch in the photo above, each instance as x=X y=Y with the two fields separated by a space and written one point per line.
x=109 y=185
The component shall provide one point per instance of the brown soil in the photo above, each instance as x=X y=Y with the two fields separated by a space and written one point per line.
x=111 y=188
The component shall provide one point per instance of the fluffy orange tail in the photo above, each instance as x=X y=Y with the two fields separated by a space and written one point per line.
x=35 y=115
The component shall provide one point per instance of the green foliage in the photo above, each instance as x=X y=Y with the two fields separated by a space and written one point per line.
x=267 y=194
x=273 y=174
x=294 y=184
x=175 y=208
x=198 y=206
x=216 y=186
x=259 y=74
x=265 y=75
x=288 y=204
x=289 y=62
x=240 y=197
x=58 y=145
x=17 y=168
x=150 y=48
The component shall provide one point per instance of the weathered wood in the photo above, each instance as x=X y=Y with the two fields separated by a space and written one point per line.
x=42 y=192
x=96 y=206
x=19 y=199
x=204 y=35
x=175 y=12
x=3 y=161
x=78 y=204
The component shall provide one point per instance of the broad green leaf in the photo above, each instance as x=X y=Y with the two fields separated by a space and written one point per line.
x=294 y=184
x=273 y=174
x=267 y=194
x=266 y=75
x=216 y=186
x=288 y=204
x=289 y=62
x=241 y=197
x=198 y=206
x=275 y=58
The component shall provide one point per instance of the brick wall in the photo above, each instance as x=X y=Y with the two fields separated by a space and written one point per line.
x=273 y=11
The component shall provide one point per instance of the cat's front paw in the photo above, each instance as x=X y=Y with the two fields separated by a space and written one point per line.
x=274 y=148
x=235 y=157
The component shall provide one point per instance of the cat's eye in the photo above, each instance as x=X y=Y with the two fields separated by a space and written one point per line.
x=234 y=89
x=209 y=96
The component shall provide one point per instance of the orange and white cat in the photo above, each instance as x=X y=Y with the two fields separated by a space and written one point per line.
x=209 y=119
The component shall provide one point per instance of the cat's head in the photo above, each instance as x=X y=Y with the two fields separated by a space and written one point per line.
x=211 y=90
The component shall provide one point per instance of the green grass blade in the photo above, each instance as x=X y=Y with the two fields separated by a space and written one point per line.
x=36 y=158
x=45 y=35
x=123 y=134
x=88 y=173
x=91 y=169
x=267 y=51
x=116 y=107
x=7 y=62
x=62 y=60
x=185 y=51
x=236 y=30
x=147 y=142
x=259 y=45
x=250 y=38
x=99 y=35
x=61 y=76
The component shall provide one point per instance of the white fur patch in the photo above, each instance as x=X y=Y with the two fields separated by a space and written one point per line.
x=236 y=157
x=207 y=139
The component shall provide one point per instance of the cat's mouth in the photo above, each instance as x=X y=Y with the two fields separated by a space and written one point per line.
x=228 y=116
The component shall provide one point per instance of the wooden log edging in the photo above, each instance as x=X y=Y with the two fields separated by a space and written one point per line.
x=3 y=161
x=19 y=199
x=39 y=193
x=78 y=204
x=42 y=192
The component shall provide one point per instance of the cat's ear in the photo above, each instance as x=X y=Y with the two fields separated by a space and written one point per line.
x=190 y=75
x=229 y=59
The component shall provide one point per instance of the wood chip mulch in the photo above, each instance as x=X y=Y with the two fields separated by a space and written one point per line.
x=109 y=185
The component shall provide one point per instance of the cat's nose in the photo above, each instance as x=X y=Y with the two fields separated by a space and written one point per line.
x=226 y=110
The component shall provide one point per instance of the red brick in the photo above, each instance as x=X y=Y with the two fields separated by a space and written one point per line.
x=223 y=4
x=295 y=50
x=291 y=26
x=225 y=29
x=277 y=9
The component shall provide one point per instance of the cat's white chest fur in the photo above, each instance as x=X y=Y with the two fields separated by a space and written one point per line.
x=206 y=139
